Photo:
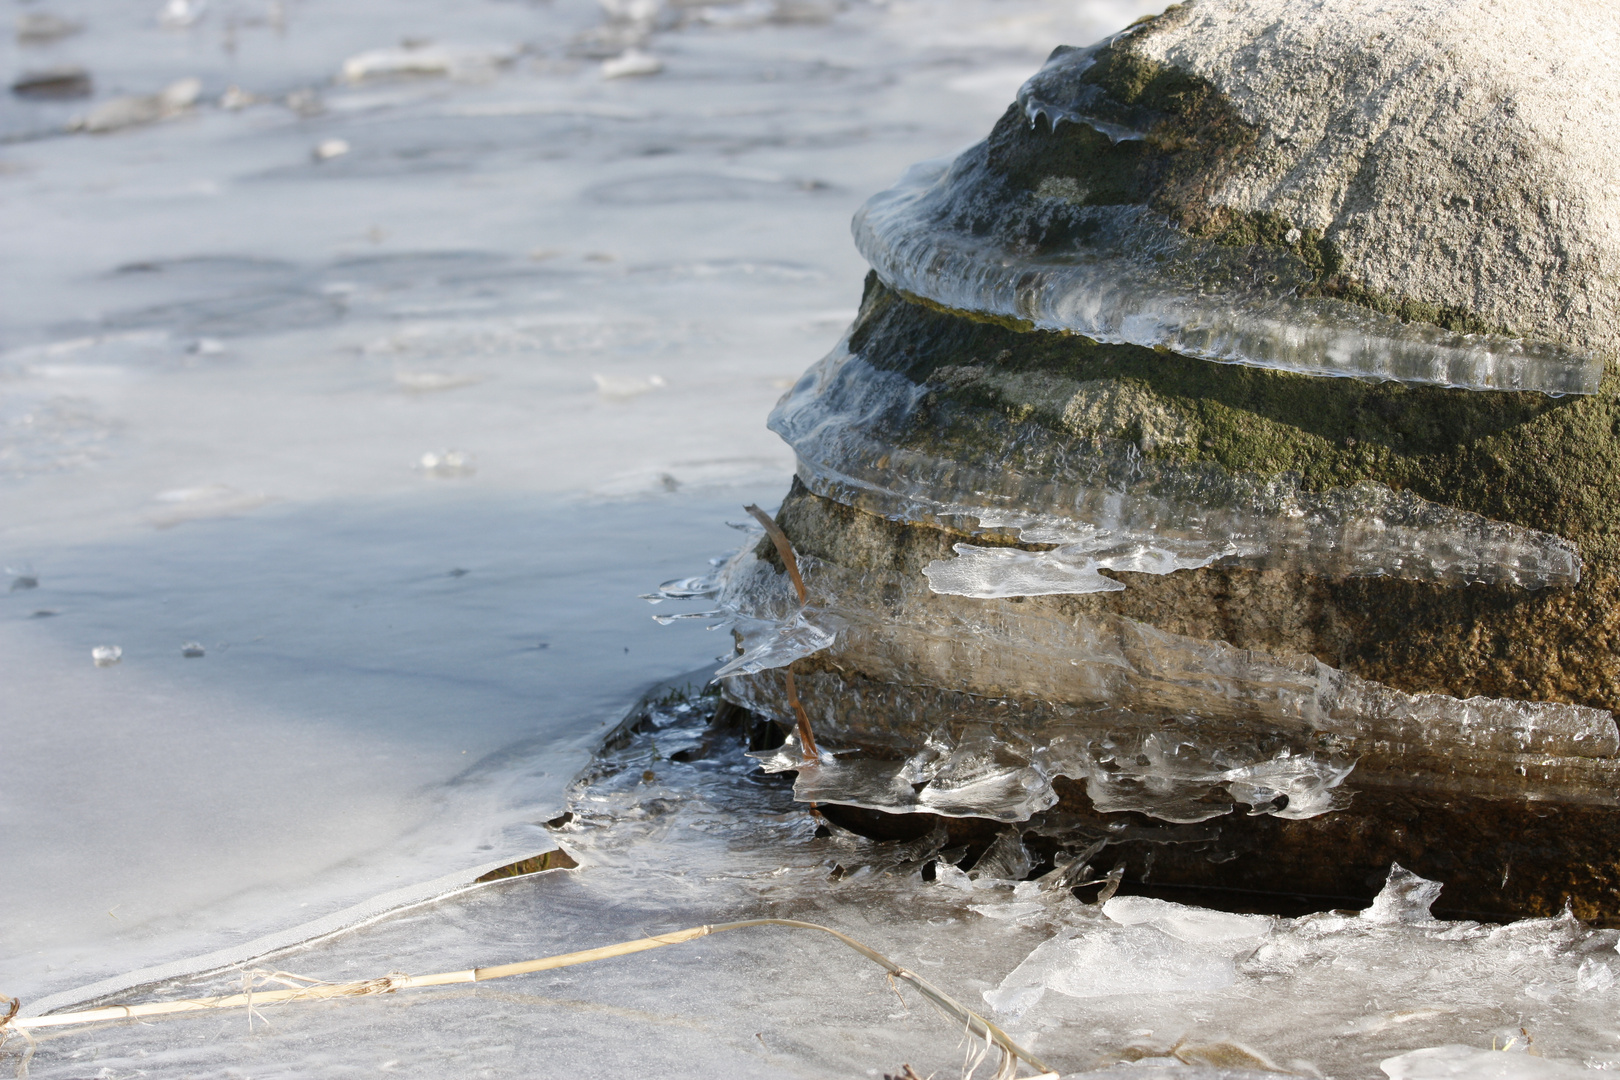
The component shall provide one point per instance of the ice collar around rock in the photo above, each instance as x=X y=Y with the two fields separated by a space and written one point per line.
x=1436 y=176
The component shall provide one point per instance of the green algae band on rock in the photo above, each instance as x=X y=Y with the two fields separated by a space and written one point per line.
x=1150 y=191
x=1248 y=625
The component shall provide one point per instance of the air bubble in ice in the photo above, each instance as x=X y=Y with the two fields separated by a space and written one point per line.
x=192 y=649
x=448 y=463
x=631 y=63
x=106 y=655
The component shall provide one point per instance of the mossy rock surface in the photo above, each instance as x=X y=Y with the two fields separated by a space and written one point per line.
x=1551 y=464
x=1522 y=458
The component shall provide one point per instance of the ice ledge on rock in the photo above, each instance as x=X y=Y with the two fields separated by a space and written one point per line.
x=947 y=232
x=875 y=440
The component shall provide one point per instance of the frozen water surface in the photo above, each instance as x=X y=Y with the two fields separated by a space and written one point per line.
x=390 y=391
x=673 y=828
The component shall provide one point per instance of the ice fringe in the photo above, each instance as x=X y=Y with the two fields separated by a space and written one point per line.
x=1172 y=726
x=870 y=438
x=956 y=233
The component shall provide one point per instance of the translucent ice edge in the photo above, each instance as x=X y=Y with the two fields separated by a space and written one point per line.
x=1057 y=94
x=948 y=233
x=977 y=774
x=765 y=639
x=1108 y=506
x=973 y=707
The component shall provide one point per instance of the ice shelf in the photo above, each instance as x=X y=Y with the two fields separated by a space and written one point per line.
x=876 y=440
x=958 y=234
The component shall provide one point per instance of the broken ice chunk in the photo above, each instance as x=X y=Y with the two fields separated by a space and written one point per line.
x=1472 y=1063
x=53 y=84
x=124 y=112
x=42 y=28
x=192 y=650
x=106 y=655
x=625 y=387
x=427 y=382
x=1594 y=976
x=327 y=149
x=415 y=59
x=1108 y=960
x=1006 y=859
x=631 y=63
x=1185 y=923
x=1405 y=898
x=448 y=463
x=182 y=13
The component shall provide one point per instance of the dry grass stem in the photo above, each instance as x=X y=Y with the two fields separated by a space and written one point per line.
x=806 y=736
x=783 y=548
x=298 y=988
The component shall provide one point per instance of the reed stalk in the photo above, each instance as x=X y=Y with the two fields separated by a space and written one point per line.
x=300 y=988
x=784 y=548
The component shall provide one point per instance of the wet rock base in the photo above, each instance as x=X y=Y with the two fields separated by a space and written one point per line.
x=1499 y=860
x=1511 y=836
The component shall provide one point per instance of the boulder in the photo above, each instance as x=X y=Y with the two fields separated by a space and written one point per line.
x=1221 y=481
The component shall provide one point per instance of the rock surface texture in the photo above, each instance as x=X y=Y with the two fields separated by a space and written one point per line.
x=1221 y=481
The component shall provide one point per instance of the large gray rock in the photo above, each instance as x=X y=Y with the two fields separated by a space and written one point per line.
x=1102 y=544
